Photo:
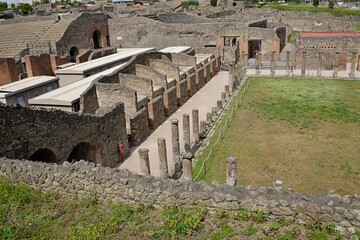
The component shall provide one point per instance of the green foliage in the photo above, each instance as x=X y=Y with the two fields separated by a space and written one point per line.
x=213 y=3
x=293 y=36
x=180 y=221
x=318 y=226
x=25 y=8
x=250 y=231
x=357 y=234
x=225 y=233
x=242 y=215
x=190 y=3
x=289 y=234
x=331 y=4
x=316 y=3
x=346 y=166
x=45 y=1
x=357 y=27
x=259 y=216
x=3 y=6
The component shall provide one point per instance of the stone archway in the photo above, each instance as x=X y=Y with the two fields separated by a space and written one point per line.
x=43 y=155
x=82 y=151
x=97 y=39
x=74 y=52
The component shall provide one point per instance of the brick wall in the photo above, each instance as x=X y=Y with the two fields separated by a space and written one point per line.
x=139 y=125
x=191 y=84
x=156 y=112
x=24 y=131
x=165 y=67
x=143 y=86
x=170 y=101
x=181 y=92
x=8 y=71
x=158 y=78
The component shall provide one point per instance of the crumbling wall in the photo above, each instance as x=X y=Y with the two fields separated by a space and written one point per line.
x=85 y=179
x=143 y=86
x=24 y=131
x=170 y=101
x=139 y=125
x=158 y=78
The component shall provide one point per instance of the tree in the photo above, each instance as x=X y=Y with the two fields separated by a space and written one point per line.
x=3 y=6
x=213 y=3
x=316 y=3
x=331 y=4
x=25 y=8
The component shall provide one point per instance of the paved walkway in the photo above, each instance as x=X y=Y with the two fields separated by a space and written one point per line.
x=203 y=100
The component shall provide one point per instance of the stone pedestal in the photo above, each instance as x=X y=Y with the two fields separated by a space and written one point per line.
x=175 y=146
x=223 y=98
x=187 y=166
x=231 y=172
x=219 y=105
x=164 y=173
x=186 y=132
x=227 y=91
x=209 y=118
x=144 y=161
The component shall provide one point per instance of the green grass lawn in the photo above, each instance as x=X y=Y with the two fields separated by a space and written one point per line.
x=26 y=213
x=302 y=131
x=338 y=12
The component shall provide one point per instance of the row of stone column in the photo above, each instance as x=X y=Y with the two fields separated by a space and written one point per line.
x=182 y=162
x=290 y=67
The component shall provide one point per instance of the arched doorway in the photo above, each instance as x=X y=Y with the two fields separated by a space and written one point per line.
x=97 y=39
x=73 y=54
x=43 y=155
x=82 y=151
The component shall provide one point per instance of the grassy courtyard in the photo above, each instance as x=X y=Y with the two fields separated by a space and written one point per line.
x=305 y=132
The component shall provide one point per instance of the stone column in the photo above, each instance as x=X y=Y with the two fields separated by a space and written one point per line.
x=223 y=98
x=303 y=62
x=352 y=67
x=195 y=118
x=209 y=118
x=227 y=92
x=175 y=139
x=336 y=64
x=219 y=105
x=144 y=161
x=272 y=63
x=319 y=66
x=186 y=132
x=187 y=166
x=246 y=60
x=202 y=128
x=231 y=83
x=287 y=62
x=257 y=63
x=164 y=173
x=231 y=172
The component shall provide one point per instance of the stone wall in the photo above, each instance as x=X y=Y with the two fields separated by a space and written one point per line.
x=58 y=136
x=183 y=59
x=139 y=126
x=181 y=92
x=143 y=86
x=88 y=23
x=8 y=71
x=85 y=179
x=39 y=65
x=158 y=79
x=156 y=112
x=166 y=67
x=170 y=101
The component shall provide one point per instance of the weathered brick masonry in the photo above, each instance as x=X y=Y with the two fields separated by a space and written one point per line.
x=85 y=179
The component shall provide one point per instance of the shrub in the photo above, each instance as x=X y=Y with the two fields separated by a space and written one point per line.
x=213 y=3
x=331 y=4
